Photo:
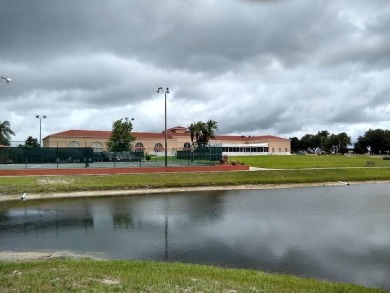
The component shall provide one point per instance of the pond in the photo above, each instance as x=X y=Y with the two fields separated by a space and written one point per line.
x=338 y=233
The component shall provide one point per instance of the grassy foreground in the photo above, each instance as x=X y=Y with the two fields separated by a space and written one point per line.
x=140 y=276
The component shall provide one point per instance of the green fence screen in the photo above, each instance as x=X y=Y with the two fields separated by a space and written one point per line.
x=210 y=153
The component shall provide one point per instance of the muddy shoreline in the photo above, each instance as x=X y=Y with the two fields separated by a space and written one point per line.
x=98 y=193
x=124 y=192
x=17 y=256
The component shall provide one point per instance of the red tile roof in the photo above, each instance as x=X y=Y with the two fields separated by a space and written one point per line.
x=83 y=133
x=103 y=134
x=160 y=135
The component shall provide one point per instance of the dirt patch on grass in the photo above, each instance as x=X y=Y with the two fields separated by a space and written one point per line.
x=42 y=255
x=55 y=180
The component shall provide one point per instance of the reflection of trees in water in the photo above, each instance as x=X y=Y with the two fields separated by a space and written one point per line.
x=123 y=219
x=121 y=210
x=32 y=219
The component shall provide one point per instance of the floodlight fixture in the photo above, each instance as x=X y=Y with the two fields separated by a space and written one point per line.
x=40 y=117
x=7 y=80
x=160 y=89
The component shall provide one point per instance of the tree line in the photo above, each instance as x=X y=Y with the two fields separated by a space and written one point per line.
x=374 y=141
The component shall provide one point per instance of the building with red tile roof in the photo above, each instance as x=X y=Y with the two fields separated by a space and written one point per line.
x=178 y=138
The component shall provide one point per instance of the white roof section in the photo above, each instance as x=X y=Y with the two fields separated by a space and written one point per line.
x=245 y=145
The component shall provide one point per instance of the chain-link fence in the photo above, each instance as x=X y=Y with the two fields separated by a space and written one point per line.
x=209 y=154
x=25 y=157
x=64 y=157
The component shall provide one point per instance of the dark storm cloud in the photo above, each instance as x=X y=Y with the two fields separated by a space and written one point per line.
x=257 y=67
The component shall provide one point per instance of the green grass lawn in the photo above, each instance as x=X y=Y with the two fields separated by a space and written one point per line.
x=311 y=161
x=141 y=276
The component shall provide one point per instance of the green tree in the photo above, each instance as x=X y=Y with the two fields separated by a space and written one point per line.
x=5 y=133
x=360 y=146
x=121 y=138
x=307 y=142
x=295 y=145
x=201 y=132
x=343 y=141
x=31 y=142
x=375 y=140
x=321 y=140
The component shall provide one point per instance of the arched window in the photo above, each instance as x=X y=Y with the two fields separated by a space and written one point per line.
x=187 y=146
x=97 y=147
x=139 y=146
x=74 y=144
x=158 y=147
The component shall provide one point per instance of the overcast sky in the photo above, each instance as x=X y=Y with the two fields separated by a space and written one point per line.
x=277 y=67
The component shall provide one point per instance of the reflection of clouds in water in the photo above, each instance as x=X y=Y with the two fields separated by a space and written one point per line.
x=338 y=246
x=335 y=256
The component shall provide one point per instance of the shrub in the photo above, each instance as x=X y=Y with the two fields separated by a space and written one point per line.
x=386 y=158
x=148 y=157
x=224 y=159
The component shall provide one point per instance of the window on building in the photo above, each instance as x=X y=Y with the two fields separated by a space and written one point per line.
x=187 y=146
x=139 y=146
x=280 y=150
x=273 y=150
x=97 y=147
x=74 y=144
x=286 y=150
x=158 y=147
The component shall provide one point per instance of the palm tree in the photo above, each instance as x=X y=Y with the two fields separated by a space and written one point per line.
x=5 y=133
x=192 y=130
x=211 y=127
x=201 y=132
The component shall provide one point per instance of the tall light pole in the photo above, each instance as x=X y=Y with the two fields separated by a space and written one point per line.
x=131 y=119
x=40 y=117
x=7 y=80
x=160 y=89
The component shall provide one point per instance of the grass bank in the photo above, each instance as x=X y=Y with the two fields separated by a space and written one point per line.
x=52 y=184
x=296 y=169
x=140 y=276
x=311 y=161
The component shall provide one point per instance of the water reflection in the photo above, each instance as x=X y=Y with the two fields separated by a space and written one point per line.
x=336 y=233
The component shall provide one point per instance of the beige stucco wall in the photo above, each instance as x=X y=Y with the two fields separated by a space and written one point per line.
x=58 y=141
x=276 y=146
x=173 y=144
